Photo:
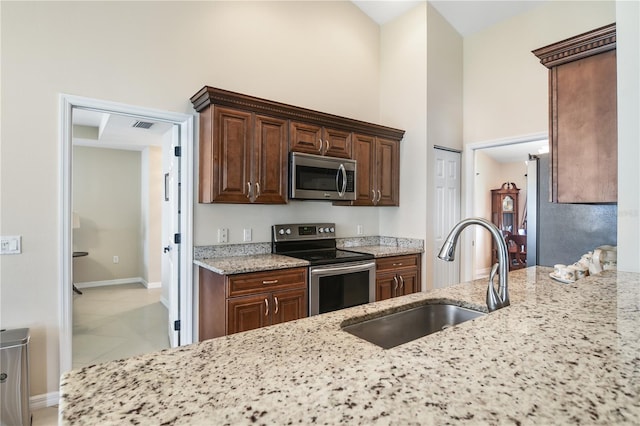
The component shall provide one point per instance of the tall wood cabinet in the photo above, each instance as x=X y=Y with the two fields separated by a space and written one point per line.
x=583 y=125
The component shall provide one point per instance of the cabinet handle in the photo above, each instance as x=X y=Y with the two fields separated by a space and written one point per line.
x=397 y=264
x=276 y=310
x=257 y=189
x=373 y=199
x=327 y=141
x=401 y=282
x=395 y=280
x=379 y=196
x=266 y=303
x=321 y=145
x=248 y=189
x=265 y=282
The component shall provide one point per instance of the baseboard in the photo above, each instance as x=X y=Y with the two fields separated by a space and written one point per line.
x=482 y=273
x=38 y=402
x=164 y=301
x=156 y=284
x=119 y=281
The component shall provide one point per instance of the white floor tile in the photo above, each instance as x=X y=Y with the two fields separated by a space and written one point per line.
x=115 y=322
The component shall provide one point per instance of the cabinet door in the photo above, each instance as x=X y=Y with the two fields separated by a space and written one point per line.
x=306 y=138
x=289 y=305
x=337 y=143
x=409 y=281
x=584 y=147
x=388 y=172
x=248 y=312
x=269 y=175
x=386 y=286
x=231 y=155
x=363 y=153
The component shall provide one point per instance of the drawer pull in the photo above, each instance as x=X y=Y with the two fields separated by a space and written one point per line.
x=265 y=282
x=397 y=264
x=266 y=312
x=276 y=300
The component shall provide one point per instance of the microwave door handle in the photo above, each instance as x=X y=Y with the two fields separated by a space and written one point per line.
x=341 y=170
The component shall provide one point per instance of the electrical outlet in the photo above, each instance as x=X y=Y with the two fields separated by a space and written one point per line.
x=11 y=245
x=116 y=259
x=247 y=234
x=223 y=235
x=359 y=230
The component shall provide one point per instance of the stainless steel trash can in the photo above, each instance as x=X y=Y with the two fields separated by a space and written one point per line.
x=14 y=377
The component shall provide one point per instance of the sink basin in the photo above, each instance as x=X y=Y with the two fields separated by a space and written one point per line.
x=402 y=327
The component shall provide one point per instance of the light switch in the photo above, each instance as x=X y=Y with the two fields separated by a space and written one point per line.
x=11 y=244
x=247 y=234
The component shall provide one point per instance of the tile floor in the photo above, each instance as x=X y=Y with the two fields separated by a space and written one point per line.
x=113 y=322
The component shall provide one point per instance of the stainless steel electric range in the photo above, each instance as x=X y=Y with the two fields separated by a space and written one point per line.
x=337 y=278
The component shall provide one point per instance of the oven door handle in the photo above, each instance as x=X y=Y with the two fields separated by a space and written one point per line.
x=339 y=269
x=341 y=171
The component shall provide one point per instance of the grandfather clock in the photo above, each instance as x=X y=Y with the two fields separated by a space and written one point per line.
x=504 y=214
x=504 y=207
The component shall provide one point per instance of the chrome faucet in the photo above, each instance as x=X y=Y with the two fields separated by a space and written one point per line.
x=495 y=300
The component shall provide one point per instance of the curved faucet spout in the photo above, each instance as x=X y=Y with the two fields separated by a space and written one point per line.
x=447 y=252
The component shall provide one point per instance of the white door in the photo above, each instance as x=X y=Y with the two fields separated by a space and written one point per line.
x=171 y=232
x=446 y=213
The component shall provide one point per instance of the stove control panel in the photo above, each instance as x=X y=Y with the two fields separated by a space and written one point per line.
x=303 y=231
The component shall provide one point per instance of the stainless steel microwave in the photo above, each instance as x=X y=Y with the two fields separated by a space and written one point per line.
x=315 y=177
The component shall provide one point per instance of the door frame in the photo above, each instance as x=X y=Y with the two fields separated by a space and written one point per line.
x=185 y=123
x=469 y=174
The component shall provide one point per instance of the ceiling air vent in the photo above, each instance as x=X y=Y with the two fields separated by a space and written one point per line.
x=142 y=125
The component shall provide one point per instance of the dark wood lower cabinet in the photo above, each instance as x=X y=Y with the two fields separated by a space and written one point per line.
x=397 y=276
x=233 y=303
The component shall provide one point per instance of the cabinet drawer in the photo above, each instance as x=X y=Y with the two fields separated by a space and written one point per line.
x=397 y=262
x=242 y=284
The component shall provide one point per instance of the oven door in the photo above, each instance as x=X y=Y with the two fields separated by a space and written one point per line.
x=340 y=286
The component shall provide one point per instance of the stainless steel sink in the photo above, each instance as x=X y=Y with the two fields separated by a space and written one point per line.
x=404 y=326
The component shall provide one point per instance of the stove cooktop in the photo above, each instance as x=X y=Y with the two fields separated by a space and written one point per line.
x=325 y=257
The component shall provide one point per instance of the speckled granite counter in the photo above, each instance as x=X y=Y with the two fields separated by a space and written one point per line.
x=257 y=262
x=559 y=354
x=385 y=251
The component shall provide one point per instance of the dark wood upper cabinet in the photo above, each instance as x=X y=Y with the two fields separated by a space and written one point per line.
x=319 y=140
x=378 y=176
x=245 y=142
x=583 y=125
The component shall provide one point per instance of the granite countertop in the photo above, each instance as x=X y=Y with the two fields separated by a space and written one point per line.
x=559 y=354
x=251 y=263
x=385 y=251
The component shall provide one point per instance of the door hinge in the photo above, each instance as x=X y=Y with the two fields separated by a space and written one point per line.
x=176 y=238
x=176 y=325
x=177 y=151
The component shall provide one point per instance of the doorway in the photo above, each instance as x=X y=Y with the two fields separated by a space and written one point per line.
x=504 y=151
x=178 y=190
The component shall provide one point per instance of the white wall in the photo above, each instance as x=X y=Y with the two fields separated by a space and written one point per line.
x=505 y=86
x=628 y=46
x=444 y=114
x=319 y=55
x=403 y=104
x=106 y=196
